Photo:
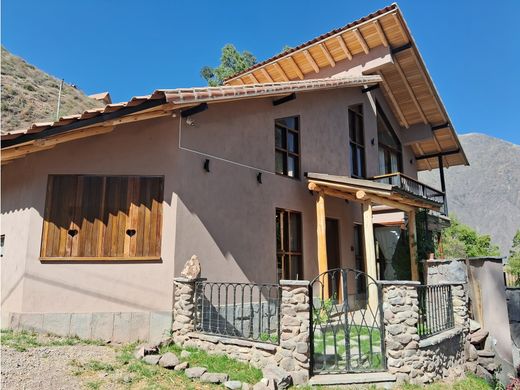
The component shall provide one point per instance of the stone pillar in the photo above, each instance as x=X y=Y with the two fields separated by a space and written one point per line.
x=294 y=353
x=183 y=309
x=401 y=313
x=460 y=307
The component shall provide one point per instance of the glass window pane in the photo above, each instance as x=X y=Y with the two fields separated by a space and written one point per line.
x=279 y=267
x=291 y=122
x=295 y=231
x=286 y=231
x=295 y=271
x=292 y=142
x=279 y=135
x=280 y=158
x=278 y=231
x=292 y=166
x=359 y=130
x=352 y=125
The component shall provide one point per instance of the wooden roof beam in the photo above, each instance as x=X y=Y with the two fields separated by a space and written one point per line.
x=252 y=77
x=310 y=60
x=281 y=71
x=394 y=101
x=381 y=33
x=400 y=27
x=327 y=54
x=344 y=47
x=361 y=40
x=410 y=91
x=422 y=152
x=266 y=75
x=296 y=68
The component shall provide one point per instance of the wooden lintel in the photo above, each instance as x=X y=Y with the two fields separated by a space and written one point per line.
x=381 y=33
x=266 y=75
x=281 y=71
x=327 y=55
x=296 y=67
x=394 y=101
x=410 y=90
x=361 y=40
x=388 y=202
x=310 y=60
x=344 y=47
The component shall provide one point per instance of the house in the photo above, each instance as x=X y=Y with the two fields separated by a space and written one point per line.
x=282 y=173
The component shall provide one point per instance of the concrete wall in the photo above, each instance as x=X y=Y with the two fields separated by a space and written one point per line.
x=225 y=216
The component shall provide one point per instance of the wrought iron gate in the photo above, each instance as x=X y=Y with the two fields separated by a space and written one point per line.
x=346 y=317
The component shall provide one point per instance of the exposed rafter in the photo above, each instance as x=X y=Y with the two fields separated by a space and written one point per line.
x=296 y=68
x=252 y=77
x=410 y=90
x=344 y=47
x=403 y=120
x=281 y=71
x=310 y=60
x=399 y=27
x=381 y=33
x=327 y=54
x=266 y=75
x=361 y=40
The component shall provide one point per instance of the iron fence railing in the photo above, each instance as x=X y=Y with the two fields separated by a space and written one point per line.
x=241 y=310
x=414 y=187
x=435 y=310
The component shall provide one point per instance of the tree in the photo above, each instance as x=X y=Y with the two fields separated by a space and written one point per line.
x=231 y=62
x=513 y=263
x=460 y=240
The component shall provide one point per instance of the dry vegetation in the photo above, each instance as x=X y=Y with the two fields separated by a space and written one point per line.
x=30 y=95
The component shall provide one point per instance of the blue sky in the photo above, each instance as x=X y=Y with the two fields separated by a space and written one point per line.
x=471 y=48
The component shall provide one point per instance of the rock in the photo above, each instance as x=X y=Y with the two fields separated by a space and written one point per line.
x=152 y=359
x=281 y=377
x=191 y=268
x=233 y=385
x=213 y=377
x=478 y=337
x=485 y=353
x=260 y=386
x=246 y=386
x=195 y=372
x=473 y=326
x=145 y=349
x=299 y=377
x=470 y=352
x=185 y=354
x=169 y=360
x=126 y=379
x=181 y=366
x=483 y=373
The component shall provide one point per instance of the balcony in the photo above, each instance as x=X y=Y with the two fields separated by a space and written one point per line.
x=411 y=186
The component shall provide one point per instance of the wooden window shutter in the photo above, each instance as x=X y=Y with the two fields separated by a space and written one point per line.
x=103 y=217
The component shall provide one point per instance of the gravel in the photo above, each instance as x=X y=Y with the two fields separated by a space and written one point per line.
x=48 y=368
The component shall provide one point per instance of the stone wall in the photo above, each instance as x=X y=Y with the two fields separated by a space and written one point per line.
x=414 y=360
x=292 y=352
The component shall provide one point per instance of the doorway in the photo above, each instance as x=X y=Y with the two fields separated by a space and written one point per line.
x=333 y=254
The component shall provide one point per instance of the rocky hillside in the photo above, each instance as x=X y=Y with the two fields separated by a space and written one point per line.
x=485 y=195
x=30 y=95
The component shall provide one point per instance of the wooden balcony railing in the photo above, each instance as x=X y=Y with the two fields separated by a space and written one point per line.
x=414 y=187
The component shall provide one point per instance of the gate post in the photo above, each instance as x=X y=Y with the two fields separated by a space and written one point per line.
x=294 y=328
x=183 y=309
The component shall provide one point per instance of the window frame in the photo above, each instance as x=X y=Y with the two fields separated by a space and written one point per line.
x=388 y=149
x=355 y=144
x=286 y=152
x=48 y=214
x=288 y=252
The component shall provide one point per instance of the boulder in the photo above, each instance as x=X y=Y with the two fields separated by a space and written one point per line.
x=195 y=372
x=169 y=360
x=145 y=349
x=181 y=366
x=191 y=268
x=152 y=359
x=281 y=378
x=478 y=337
x=213 y=377
x=233 y=385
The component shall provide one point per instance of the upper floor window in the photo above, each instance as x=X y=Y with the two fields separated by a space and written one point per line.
x=287 y=146
x=357 y=140
x=390 y=154
x=289 y=252
x=91 y=217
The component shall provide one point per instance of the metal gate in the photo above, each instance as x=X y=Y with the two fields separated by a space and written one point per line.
x=347 y=332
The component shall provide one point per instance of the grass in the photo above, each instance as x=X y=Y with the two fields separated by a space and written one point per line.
x=471 y=382
x=23 y=340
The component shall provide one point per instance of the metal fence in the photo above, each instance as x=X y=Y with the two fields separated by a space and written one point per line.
x=435 y=310
x=241 y=310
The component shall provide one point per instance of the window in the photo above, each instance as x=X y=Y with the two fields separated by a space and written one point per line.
x=390 y=155
x=289 y=259
x=357 y=141
x=102 y=217
x=287 y=146
x=359 y=256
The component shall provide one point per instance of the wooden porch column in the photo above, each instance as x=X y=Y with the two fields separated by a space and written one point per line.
x=370 y=254
x=322 y=242
x=412 y=241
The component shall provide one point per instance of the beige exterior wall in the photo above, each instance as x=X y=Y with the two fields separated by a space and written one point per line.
x=224 y=217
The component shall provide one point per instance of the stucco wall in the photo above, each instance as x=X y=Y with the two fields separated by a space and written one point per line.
x=224 y=216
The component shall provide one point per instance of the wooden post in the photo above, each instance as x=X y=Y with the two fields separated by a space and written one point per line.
x=322 y=242
x=370 y=254
x=412 y=241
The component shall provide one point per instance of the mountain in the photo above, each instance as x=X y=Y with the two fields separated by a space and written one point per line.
x=30 y=95
x=486 y=194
